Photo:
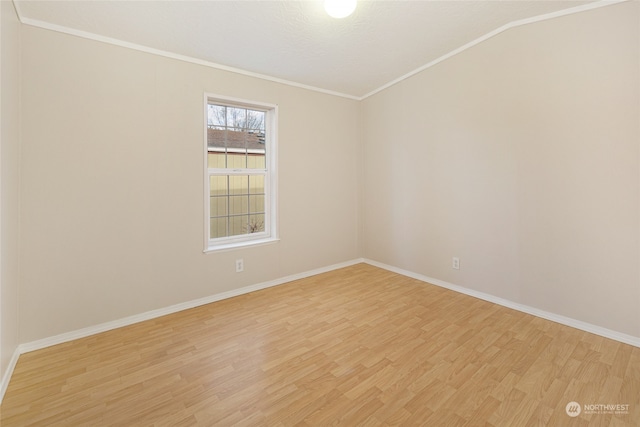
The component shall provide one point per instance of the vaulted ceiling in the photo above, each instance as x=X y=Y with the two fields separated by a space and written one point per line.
x=296 y=41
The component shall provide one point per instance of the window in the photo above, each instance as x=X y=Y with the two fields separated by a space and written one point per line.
x=240 y=186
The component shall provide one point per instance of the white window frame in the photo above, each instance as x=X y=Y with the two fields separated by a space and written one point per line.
x=270 y=233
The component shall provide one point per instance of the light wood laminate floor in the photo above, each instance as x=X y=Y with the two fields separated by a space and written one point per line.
x=359 y=346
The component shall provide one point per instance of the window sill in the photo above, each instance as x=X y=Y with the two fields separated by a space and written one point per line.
x=240 y=245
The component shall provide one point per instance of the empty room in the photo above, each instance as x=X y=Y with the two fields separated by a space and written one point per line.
x=310 y=213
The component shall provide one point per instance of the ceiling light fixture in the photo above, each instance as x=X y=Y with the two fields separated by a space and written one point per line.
x=340 y=8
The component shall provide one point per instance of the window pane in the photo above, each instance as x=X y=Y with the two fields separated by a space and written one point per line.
x=218 y=185
x=238 y=205
x=216 y=116
x=216 y=160
x=238 y=184
x=237 y=160
x=256 y=204
x=256 y=184
x=236 y=118
x=238 y=134
x=238 y=225
x=255 y=121
x=256 y=223
x=218 y=206
x=218 y=227
x=256 y=161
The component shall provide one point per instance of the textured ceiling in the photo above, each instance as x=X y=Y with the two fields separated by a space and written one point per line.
x=295 y=40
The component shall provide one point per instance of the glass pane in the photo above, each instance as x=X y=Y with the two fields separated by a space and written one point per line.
x=256 y=204
x=238 y=225
x=256 y=223
x=236 y=118
x=256 y=160
x=237 y=160
x=218 y=227
x=238 y=205
x=217 y=139
x=255 y=121
x=218 y=185
x=256 y=184
x=216 y=160
x=238 y=134
x=238 y=184
x=216 y=115
x=218 y=206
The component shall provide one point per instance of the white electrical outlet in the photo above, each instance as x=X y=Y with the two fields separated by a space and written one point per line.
x=239 y=265
x=455 y=263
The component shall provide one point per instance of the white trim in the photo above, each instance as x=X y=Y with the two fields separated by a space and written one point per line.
x=495 y=32
x=103 y=327
x=205 y=184
x=171 y=55
x=3 y=384
x=125 y=44
x=235 y=150
x=563 y=320
x=9 y=372
x=241 y=244
x=136 y=318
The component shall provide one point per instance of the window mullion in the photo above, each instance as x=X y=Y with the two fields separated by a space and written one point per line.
x=228 y=217
x=237 y=171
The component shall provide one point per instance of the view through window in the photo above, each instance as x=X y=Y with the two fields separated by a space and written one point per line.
x=238 y=145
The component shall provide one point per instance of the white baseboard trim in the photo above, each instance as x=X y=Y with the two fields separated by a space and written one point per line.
x=103 y=327
x=7 y=374
x=563 y=320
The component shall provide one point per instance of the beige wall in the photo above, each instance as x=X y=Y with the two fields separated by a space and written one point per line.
x=112 y=183
x=9 y=175
x=521 y=157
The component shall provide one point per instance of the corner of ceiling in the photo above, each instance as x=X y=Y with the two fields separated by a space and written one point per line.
x=17 y=9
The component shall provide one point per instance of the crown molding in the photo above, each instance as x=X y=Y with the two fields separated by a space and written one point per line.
x=171 y=55
x=513 y=24
x=184 y=58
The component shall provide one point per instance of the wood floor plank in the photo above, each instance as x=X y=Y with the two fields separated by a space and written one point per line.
x=359 y=346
